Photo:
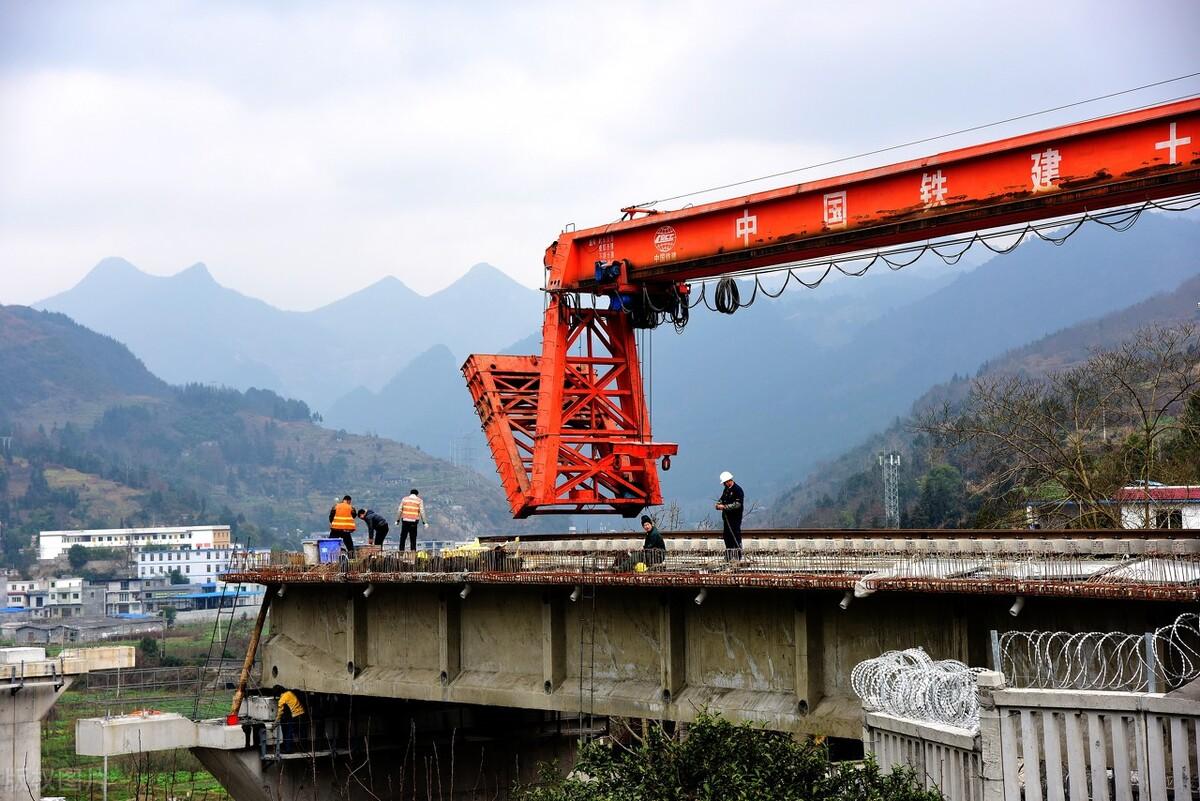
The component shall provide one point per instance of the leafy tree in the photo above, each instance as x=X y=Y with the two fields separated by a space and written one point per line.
x=1086 y=431
x=168 y=614
x=942 y=499
x=149 y=647
x=77 y=556
x=177 y=577
x=720 y=761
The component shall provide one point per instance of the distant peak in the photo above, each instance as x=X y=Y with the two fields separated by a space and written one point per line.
x=389 y=282
x=483 y=269
x=486 y=275
x=114 y=265
x=199 y=270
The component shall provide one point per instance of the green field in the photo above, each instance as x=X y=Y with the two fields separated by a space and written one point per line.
x=144 y=777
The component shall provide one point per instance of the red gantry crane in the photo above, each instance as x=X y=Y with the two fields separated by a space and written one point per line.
x=570 y=430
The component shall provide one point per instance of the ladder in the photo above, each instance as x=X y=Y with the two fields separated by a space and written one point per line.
x=587 y=647
x=214 y=661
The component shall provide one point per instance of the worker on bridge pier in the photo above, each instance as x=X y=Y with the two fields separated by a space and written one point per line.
x=288 y=717
x=377 y=526
x=409 y=513
x=342 y=522
x=731 y=505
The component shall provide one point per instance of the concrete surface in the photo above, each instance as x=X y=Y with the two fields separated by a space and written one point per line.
x=140 y=733
x=32 y=686
x=779 y=658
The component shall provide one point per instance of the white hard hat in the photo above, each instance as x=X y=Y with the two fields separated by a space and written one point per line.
x=726 y=476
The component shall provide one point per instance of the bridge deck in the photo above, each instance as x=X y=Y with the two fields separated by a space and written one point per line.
x=1100 y=564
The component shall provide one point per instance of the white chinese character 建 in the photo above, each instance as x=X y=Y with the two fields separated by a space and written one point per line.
x=933 y=189
x=835 y=208
x=1045 y=168
x=746 y=226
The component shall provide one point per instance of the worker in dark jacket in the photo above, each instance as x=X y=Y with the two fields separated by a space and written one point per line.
x=377 y=526
x=342 y=522
x=654 y=549
x=731 y=506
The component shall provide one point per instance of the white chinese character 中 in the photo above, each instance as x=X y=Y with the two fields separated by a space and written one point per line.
x=746 y=226
x=933 y=189
x=835 y=208
x=1045 y=168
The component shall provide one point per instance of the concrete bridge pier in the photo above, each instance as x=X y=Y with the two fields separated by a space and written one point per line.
x=22 y=710
x=354 y=748
x=30 y=684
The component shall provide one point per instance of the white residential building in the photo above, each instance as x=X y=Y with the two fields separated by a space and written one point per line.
x=18 y=593
x=197 y=565
x=1168 y=507
x=52 y=544
x=73 y=597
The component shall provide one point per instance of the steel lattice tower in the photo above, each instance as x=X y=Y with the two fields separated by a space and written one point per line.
x=890 y=465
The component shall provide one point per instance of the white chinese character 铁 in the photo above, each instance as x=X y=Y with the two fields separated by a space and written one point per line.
x=1045 y=168
x=835 y=209
x=933 y=189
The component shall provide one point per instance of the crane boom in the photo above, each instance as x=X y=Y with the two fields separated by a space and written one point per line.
x=569 y=429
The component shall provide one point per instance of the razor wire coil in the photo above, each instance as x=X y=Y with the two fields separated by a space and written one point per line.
x=1165 y=659
x=910 y=684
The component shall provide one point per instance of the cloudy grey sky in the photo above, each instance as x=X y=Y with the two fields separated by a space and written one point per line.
x=304 y=150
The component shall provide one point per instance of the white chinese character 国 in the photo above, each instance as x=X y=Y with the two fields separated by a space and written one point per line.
x=1045 y=168
x=835 y=208
x=933 y=189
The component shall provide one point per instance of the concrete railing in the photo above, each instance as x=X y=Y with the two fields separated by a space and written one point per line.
x=1051 y=745
x=944 y=758
x=1069 y=744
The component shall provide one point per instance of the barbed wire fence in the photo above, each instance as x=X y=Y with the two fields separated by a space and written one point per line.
x=911 y=684
x=1162 y=660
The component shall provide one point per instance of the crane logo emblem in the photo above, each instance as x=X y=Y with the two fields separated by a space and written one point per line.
x=664 y=239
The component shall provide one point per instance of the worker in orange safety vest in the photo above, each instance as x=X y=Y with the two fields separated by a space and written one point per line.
x=410 y=512
x=342 y=522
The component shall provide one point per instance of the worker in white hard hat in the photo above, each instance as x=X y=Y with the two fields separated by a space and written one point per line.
x=731 y=506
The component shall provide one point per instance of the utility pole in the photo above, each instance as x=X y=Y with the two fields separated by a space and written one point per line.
x=890 y=466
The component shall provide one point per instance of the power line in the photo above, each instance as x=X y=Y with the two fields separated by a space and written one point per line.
x=928 y=139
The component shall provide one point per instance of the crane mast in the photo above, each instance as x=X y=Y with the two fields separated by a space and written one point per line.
x=569 y=429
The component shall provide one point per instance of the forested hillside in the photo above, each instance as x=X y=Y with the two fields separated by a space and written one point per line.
x=92 y=439
x=939 y=484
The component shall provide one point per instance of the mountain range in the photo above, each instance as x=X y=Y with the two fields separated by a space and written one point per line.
x=847 y=491
x=95 y=440
x=187 y=327
x=767 y=393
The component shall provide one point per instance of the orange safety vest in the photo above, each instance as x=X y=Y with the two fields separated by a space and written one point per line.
x=410 y=508
x=343 y=517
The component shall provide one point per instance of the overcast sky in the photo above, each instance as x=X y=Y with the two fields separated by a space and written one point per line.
x=304 y=150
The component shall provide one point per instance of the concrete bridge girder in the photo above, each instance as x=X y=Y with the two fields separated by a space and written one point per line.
x=781 y=659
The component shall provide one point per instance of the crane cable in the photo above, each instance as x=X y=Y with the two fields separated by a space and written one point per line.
x=727 y=297
x=927 y=139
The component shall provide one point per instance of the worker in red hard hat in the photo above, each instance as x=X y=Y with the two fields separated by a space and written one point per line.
x=731 y=505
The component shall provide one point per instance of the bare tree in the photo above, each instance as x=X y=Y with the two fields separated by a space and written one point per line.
x=1072 y=439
